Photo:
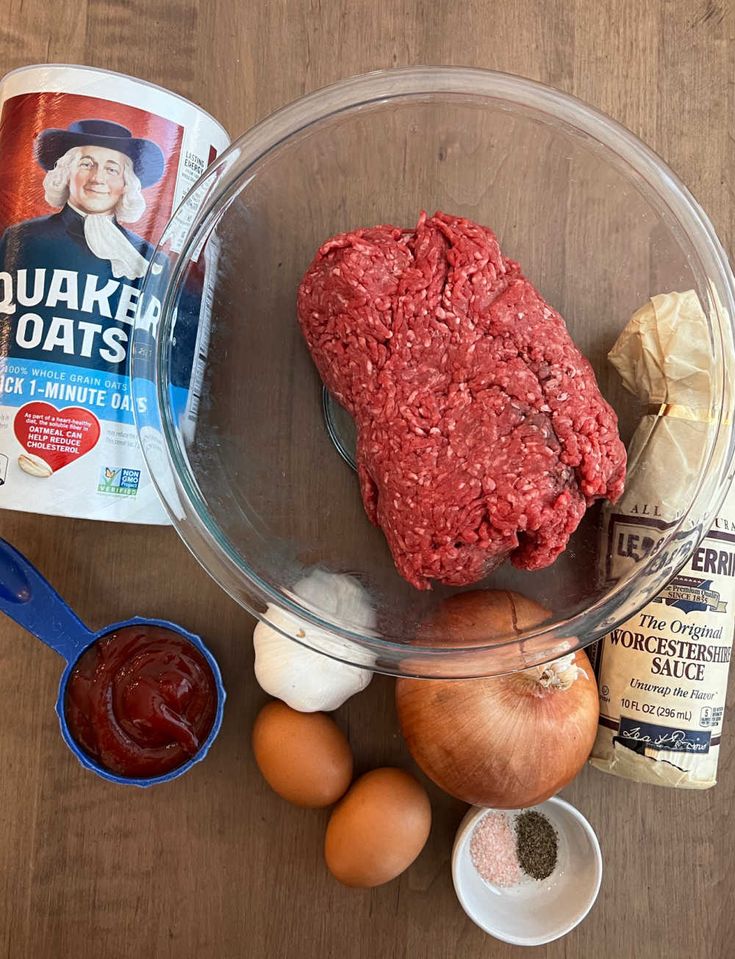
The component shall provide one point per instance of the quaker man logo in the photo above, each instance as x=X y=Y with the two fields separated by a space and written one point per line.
x=95 y=173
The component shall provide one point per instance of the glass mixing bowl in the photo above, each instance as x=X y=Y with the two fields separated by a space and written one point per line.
x=245 y=451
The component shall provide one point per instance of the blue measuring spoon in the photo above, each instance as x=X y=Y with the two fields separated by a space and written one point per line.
x=28 y=599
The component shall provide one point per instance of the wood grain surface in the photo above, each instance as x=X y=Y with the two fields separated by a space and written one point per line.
x=215 y=866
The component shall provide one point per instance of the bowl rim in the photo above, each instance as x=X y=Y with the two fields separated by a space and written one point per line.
x=200 y=529
x=463 y=835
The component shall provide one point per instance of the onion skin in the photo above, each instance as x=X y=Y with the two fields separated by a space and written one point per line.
x=508 y=742
x=481 y=617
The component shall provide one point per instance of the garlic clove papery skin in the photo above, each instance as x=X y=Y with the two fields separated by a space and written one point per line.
x=302 y=678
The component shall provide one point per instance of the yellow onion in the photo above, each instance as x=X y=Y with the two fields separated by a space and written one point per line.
x=509 y=741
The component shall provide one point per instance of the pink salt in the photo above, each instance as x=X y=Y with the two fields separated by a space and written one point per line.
x=493 y=850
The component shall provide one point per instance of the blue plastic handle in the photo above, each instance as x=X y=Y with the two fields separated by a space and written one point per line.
x=34 y=604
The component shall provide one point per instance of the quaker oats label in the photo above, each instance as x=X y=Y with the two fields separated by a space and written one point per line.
x=94 y=164
x=662 y=675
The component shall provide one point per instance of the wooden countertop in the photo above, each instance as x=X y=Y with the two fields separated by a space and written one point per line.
x=215 y=865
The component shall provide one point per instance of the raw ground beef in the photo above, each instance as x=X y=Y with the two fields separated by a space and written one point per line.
x=482 y=434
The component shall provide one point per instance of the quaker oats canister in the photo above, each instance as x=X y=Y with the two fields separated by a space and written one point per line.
x=93 y=165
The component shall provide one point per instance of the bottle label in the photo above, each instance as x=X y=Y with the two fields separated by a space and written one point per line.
x=662 y=675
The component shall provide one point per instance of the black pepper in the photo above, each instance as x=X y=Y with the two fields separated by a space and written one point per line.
x=536 y=845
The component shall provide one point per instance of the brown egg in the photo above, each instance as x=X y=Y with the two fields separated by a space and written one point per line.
x=304 y=757
x=378 y=829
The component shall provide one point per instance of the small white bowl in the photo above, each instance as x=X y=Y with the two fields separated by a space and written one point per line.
x=535 y=911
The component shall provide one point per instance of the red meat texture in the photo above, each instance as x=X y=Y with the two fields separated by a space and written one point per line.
x=482 y=433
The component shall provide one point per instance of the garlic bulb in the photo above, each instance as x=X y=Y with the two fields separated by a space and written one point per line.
x=304 y=679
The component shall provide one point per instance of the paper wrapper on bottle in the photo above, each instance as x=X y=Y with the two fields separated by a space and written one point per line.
x=663 y=674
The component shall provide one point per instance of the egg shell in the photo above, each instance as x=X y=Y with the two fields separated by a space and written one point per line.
x=304 y=757
x=378 y=829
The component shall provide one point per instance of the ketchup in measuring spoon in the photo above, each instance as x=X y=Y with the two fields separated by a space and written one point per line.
x=141 y=701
